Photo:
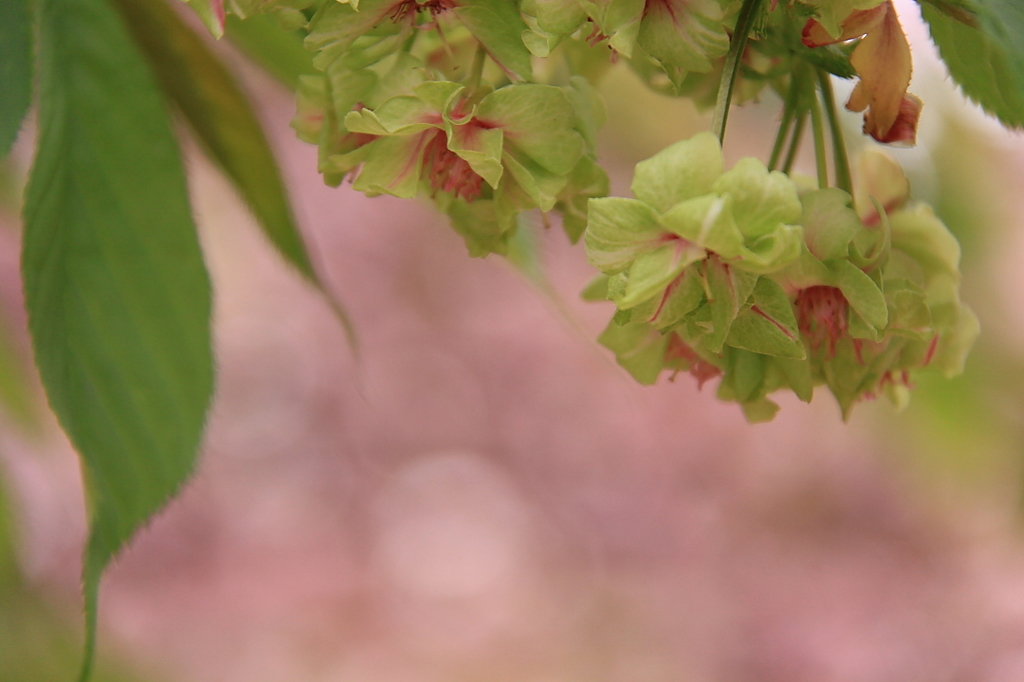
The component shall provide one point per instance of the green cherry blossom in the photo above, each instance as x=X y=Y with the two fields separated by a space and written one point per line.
x=518 y=140
x=513 y=149
x=362 y=34
x=878 y=298
x=689 y=223
x=681 y=36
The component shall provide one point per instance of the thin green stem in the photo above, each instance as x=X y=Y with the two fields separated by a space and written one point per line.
x=732 y=66
x=818 y=130
x=477 y=69
x=794 y=142
x=840 y=159
x=780 y=138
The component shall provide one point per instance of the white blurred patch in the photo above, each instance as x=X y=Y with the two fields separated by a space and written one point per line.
x=454 y=548
x=450 y=526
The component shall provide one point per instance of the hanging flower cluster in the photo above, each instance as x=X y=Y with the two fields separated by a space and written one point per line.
x=752 y=275
x=744 y=275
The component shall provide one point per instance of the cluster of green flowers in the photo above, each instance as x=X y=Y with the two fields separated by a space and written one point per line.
x=772 y=283
x=489 y=108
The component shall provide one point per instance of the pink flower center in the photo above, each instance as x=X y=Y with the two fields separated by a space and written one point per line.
x=700 y=369
x=408 y=9
x=447 y=171
x=822 y=315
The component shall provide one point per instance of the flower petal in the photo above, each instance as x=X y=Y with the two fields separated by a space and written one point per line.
x=883 y=62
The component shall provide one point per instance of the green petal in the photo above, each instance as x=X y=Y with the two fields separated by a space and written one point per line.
x=805 y=271
x=686 y=34
x=706 y=221
x=921 y=235
x=652 y=272
x=538 y=120
x=499 y=28
x=347 y=88
x=617 y=19
x=310 y=104
x=393 y=167
x=908 y=307
x=729 y=290
x=336 y=27
x=829 y=223
x=540 y=186
x=589 y=109
x=638 y=348
x=745 y=373
x=681 y=297
x=485 y=229
x=861 y=292
x=797 y=375
x=619 y=230
x=481 y=148
x=587 y=181
x=759 y=411
x=761 y=199
x=555 y=16
x=682 y=171
x=768 y=326
x=955 y=344
x=439 y=95
x=397 y=116
x=772 y=252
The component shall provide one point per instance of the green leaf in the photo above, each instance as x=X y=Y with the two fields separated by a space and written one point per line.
x=1003 y=21
x=223 y=120
x=833 y=58
x=987 y=65
x=15 y=69
x=15 y=392
x=961 y=10
x=116 y=291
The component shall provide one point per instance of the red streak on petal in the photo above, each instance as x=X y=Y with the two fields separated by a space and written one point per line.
x=775 y=322
x=930 y=354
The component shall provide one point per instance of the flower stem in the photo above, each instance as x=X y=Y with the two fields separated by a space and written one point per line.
x=788 y=113
x=732 y=66
x=840 y=159
x=818 y=129
x=478 y=68
x=794 y=143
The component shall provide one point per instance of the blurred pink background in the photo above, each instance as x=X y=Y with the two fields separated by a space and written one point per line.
x=485 y=495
